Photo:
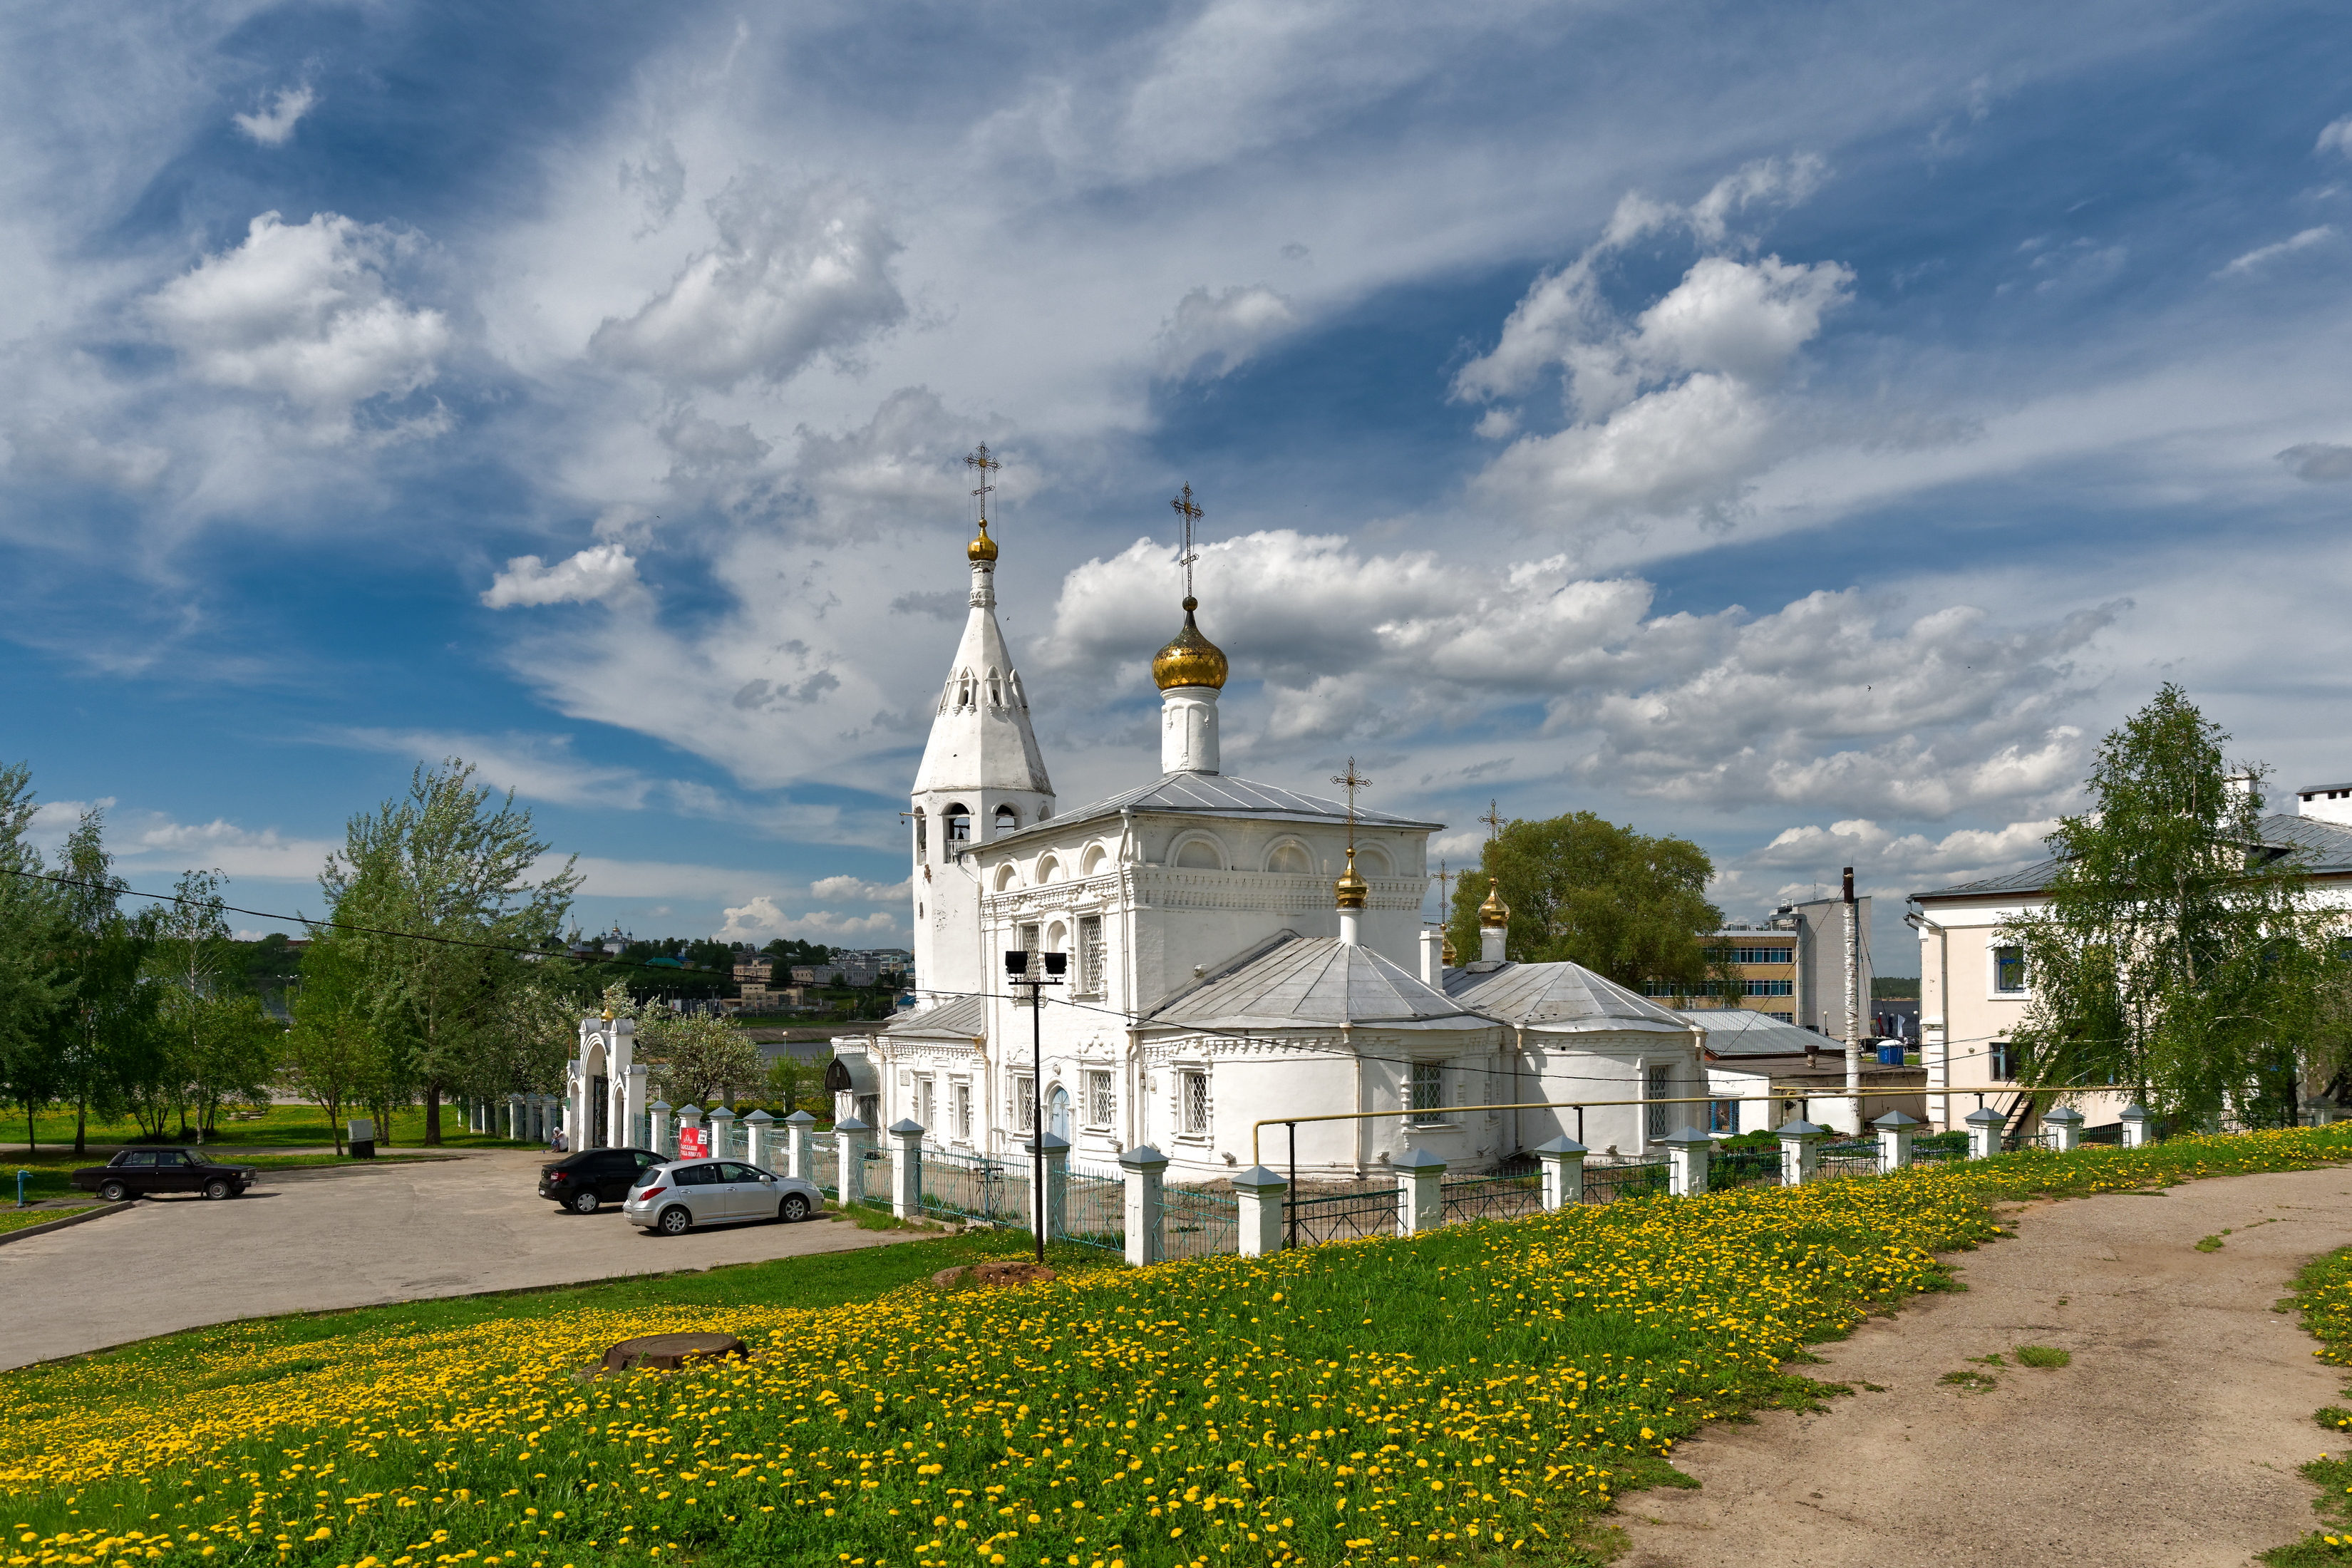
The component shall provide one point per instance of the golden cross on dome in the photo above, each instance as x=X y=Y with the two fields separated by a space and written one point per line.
x=984 y=465
x=1352 y=780
x=1494 y=819
x=1191 y=514
x=1444 y=885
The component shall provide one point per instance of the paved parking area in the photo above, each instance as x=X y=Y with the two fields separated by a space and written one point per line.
x=309 y=1241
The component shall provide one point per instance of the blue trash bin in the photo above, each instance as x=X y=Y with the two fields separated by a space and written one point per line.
x=1890 y=1054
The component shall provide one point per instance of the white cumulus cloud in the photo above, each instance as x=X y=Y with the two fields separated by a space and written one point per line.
x=274 y=126
x=2336 y=138
x=840 y=889
x=303 y=310
x=795 y=275
x=2288 y=247
x=760 y=920
x=599 y=572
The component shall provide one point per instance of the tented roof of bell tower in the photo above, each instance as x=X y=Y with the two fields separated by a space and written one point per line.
x=981 y=735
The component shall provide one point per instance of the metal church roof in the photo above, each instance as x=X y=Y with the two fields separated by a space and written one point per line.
x=1217 y=795
x=1315 y=982
x=1559 y=998
x=2321 y=848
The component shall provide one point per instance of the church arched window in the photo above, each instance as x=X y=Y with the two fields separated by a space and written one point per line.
x=1013 y=689
x=1007 y=819
x=1049 y=870
x=963 y=690
x=1004 y=874
x=1093 y=864
x=959 y=820
x=922 y=834
x=1291 y=857
x=1374 y=861
x=995 y=690
x=1200 y=855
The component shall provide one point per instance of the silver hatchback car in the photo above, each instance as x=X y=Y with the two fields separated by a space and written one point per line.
x=675 y=1198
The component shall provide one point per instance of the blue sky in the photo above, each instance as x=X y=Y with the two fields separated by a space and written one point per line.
x=1803 y=428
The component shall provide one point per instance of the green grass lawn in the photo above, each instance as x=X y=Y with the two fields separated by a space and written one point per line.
x=283 y=1126
x=1476 y=1394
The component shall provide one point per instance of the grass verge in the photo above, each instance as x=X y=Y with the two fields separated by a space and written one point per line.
x=2323 y=1293
x=284 y=1126
x=1464 y=1395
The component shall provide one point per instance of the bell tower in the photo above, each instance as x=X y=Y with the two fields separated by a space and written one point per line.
x=981 y=776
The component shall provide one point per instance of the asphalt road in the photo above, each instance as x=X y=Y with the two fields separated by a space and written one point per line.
x=310 y=1241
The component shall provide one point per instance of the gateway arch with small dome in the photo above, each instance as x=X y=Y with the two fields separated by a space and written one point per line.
x=1235 y=951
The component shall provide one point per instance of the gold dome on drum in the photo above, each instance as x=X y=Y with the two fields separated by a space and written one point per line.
x=1190 y=658
x=983 y=548
x=1494 y=913
x=1350 y=889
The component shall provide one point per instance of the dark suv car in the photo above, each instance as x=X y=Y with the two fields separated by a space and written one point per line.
x=587 y=1181
x=142 y=1172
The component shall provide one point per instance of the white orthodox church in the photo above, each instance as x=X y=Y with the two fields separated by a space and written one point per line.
x=1237 y=953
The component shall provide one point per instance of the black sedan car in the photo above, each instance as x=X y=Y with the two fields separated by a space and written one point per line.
x=587 y=1181
x=143 y=1173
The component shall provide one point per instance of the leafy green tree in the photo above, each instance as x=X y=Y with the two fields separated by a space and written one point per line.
x=2176 y=952
x=334 y=1056
x=796 y=1083
x=105 y=1036
x=698 y=1058
x=427 y=891
x=1625 y=905
x=32 y=984
x=217 y=1044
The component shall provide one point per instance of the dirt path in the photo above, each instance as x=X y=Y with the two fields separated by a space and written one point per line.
x=2172 y=1440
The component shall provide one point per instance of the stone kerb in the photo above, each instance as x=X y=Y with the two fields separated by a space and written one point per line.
x=2065 y=1125
x=2139 y=1126
x=1563 y=1164
x=1800 y=1151
x=1688 y=1152
x=1146 y=1170
x=1260 y=1194
x=1896 y=1132
x=759 y=1140
x=659 y=1137
x=906 y=1169
x=1056 y=1221
x=799 y=1128
x=1421 y=1191
x=849 y=1138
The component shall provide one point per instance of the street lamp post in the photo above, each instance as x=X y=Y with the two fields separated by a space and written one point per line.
x=1017 y=971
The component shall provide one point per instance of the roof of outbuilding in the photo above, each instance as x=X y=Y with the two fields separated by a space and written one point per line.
x=2320 y=847
x=1560 y=998
x=1217 y=795
x=965 y=1019
x=1314 y=982
x=1738 y=1032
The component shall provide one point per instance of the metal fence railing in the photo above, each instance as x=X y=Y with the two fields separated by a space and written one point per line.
x=974 y=1186
x=1607 y=1183
x=1196 y=1222
x=1855 y=1158
x=1490 y=1197
x=825 y=1168
x=1341 y=1215
x=1094 y=1212
x=1743 y=1168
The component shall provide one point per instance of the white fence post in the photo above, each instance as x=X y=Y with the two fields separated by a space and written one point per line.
x=849 y=1159
x=722 y=1135
x=2067 y=1123
x=658 y=1137
x=1421 y=1196
x=1055 y=1220
x=797 y=1127
x=1984 y=1132
x=906 y=1169
x=1146 y=1170
x=2137 y=1125
x=1895 y=1133
x=2322 y=1114
x=515 y=1132
x=1800 y=1151
x=1563 y=1160
x=1687 y=1157
x=759 y=1137
x=1260 y=1194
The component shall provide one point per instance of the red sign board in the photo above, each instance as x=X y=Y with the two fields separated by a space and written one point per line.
x=693 y=1143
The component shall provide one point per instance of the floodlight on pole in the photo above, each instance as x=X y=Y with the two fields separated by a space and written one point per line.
x=1016 y=971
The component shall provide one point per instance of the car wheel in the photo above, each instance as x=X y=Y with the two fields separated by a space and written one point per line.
x=218 y=1188
x=793 y=1207
x=113 y=1192
x=675 y=1221
x=585 y=1202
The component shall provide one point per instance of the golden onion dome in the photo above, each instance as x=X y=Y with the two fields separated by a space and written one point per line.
x=1350 y=889
x=983 y=548
x=1190 y=658
x=1450 y=958
x=1494 y=913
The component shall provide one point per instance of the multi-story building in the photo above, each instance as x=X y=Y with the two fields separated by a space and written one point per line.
x=1792 y=967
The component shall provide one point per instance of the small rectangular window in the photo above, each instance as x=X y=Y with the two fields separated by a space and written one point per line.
x=2008 y=971
x=962 y=1101
x=1192 y=1102
x=1723 y=1116
x=1428 y=1088
x=2003 y=1060
x=1661 y=1086
x=1025 y=1103
x=923 y=1101
x=1098 y=1101
x=1090 y=954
